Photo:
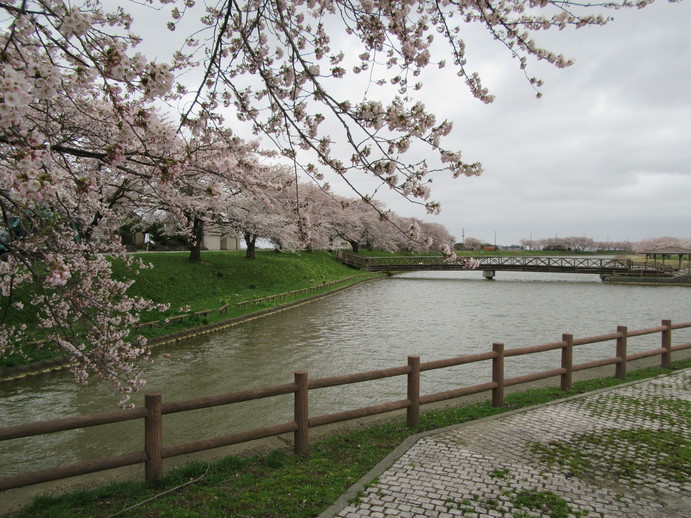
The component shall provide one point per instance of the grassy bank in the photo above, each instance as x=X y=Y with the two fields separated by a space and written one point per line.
x=221 y=278
x=224 y=277
x=280 y=484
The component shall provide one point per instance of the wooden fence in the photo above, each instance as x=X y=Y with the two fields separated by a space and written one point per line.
x=154 y=451
x=258 y=301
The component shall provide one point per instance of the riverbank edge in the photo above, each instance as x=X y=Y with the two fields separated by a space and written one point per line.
x=679 y=281
x=57 y=364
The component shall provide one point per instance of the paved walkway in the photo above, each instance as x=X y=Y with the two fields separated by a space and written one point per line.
x=621 y=452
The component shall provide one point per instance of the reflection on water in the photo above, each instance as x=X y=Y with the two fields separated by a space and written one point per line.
x=374 y=325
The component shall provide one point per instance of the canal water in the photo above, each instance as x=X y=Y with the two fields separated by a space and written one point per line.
x=374 y=325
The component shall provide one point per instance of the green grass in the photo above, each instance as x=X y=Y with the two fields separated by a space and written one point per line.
x=228 y=278
x=281 y=484
x=667 y=452
x=224 y=277
x=545 y=502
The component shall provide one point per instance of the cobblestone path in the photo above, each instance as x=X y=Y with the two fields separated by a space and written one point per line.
x=624 y=452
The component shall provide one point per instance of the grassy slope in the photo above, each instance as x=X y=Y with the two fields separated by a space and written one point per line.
x=228 y=277
x=224 y=277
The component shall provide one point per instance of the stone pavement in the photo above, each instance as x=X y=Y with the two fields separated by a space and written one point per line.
x=621 y=452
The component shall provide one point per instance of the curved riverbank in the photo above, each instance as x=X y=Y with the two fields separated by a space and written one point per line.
x=224 y=285
x=57 y=364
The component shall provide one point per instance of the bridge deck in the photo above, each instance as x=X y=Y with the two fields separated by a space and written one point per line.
x=500 y=263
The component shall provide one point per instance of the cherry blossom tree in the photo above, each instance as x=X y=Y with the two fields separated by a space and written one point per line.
x=472 y=243
x=79 y=138
x=92 y=129
x=217 y=167
x=436 y=235
x=367 y=224
x=575 y=244
x=349 y=223
x=315 y=209
x=267 y=211
x=661 y=242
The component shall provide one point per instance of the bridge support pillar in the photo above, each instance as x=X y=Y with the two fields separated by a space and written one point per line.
x=488 y=275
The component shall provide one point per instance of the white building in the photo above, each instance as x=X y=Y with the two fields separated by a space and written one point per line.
x=215 y=240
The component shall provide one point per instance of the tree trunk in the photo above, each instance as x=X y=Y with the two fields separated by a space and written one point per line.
x=355 y=246
x=251 y=242
x=197 y=240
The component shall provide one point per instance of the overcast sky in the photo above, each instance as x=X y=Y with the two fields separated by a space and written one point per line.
x=605 y=153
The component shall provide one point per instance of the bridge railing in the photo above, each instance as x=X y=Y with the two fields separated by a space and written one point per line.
x=356 y=260
x=588 y=264
x=154 y=451
x=560 y=262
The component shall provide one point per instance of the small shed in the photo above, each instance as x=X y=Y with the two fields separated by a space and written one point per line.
x=667 y=253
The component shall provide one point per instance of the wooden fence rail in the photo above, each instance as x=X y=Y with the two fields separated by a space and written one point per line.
x=154 y=451
x=166 y=321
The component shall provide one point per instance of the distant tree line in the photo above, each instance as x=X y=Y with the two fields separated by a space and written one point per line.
x=291 y=216
x=585 y=244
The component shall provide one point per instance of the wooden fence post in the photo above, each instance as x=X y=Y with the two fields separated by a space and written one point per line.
x=567 y=361
x=413 y=414
x=666 y=360
x=620 y=369
x=153 y=437
x=301 y=435
x=498 y=374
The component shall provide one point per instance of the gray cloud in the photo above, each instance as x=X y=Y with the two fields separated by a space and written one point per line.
x=605 y=153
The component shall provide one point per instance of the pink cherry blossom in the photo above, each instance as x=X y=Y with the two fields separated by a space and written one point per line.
x=95 y=134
